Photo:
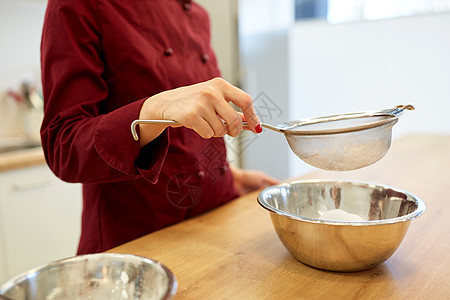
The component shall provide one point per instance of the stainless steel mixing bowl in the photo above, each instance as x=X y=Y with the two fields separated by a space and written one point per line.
x=94 y=276
x=296 y=210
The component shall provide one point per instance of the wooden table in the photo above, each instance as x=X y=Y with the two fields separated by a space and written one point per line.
x=21 y=158
x=233 y=252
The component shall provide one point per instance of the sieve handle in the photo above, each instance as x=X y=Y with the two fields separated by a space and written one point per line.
x=137 y=122
x=171 y=122
x=265 y=125
x=396 y=111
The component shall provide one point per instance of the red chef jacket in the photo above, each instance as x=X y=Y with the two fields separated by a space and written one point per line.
x=100 y=60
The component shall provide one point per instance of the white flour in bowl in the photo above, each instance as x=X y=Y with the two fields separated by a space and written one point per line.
x=340 y=215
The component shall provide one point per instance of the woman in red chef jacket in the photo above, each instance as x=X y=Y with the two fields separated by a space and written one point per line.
x=106 y=63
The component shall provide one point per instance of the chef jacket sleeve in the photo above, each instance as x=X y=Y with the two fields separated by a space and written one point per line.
x=82 y=141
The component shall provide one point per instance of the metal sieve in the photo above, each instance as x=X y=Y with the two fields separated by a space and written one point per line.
x=336 y=143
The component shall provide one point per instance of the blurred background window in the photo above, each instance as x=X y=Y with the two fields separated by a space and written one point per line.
x=340 y=11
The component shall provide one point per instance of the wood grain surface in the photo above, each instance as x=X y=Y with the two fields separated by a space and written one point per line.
x=21 y=158
x=233 y=251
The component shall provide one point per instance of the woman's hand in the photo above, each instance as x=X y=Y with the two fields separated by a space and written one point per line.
x=203 y=107
x=246 y=181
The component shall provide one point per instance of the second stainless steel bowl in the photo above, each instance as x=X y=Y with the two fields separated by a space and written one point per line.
x=94 y=276
x=297 y=208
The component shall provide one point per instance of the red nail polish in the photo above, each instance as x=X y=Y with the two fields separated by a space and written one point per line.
x=258 y=128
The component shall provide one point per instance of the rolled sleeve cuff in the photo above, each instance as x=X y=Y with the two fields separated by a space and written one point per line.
x=152 y=157
x=115 y=144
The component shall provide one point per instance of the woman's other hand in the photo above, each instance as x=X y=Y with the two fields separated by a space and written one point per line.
x=246 y=181
x=203 y=107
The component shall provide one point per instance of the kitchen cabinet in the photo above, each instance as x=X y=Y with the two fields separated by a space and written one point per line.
x=40 y=219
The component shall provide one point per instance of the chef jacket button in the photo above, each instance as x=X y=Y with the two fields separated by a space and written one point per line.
x=205 y=57
x=187 y=6
x=224 y=169
x=168 y=52
x=201 y=174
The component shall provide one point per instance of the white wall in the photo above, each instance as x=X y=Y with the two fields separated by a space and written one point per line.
x=263 y=43
x=372 y=65
x=224 y=30
x=21 y=24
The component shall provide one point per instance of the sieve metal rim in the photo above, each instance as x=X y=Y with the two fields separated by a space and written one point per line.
x=390 y=119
